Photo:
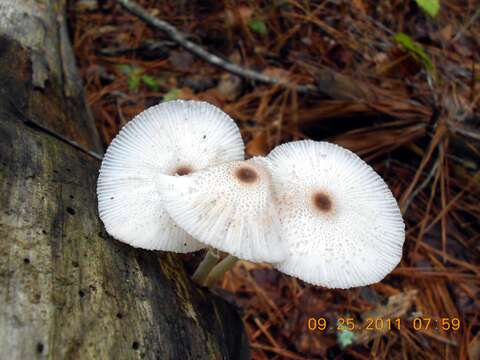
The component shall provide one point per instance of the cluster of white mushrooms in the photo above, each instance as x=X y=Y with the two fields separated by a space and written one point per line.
x=175 y=179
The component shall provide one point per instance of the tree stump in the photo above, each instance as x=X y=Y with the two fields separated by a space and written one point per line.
x=67 y=290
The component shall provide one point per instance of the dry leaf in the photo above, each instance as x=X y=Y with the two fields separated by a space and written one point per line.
x=397 y=307
x=229 y=87
x=237 y=15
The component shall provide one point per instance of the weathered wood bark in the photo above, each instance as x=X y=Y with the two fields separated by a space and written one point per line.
x=67 y=290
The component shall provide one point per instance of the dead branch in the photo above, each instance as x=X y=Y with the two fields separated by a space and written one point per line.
x=203 y=54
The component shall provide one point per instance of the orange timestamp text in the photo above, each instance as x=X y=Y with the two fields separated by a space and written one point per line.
x=321 y=324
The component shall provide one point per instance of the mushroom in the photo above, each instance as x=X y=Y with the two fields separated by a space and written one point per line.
x=174 y=138
x=228 y=207
x=341 y=222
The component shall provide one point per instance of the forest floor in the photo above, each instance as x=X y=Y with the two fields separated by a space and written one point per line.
x=385 y=79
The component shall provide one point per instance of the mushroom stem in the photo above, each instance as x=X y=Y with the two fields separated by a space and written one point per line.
x=221 y=268
x=208 y=262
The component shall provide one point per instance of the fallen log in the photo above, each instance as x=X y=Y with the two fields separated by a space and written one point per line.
x=68 y=290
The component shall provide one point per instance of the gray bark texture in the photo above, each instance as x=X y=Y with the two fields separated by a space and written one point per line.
x=67 y=290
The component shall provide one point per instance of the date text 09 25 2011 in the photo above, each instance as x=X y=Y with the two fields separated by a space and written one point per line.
x=418 y=323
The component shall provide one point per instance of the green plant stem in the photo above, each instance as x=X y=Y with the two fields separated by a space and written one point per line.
x=221 y=268
x=208 y=262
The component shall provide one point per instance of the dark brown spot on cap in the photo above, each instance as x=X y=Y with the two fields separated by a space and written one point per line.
x=322 y=201
x=183 y=170
x=246 y=174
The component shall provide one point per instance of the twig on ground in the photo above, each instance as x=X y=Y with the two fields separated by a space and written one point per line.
x=467 y=25
x=213 y=59
x=422 y=186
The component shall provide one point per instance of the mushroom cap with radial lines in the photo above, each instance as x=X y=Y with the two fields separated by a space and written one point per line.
x=229 y=207
x=176 y=137
x=340 y=220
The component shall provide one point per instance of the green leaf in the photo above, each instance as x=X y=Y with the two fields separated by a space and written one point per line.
x=133 y=83
x=431 y=7
x=172 y=94
x=134 y=76
x=345 y=338
x=151 y=82
x=416 y=50
x=124 y=68
x=258 y=26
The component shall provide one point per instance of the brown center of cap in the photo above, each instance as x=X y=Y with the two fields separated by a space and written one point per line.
x=183 y=170
x=322 y=201
x=246 y=174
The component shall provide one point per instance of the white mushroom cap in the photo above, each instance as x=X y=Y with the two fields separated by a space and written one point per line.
x=229 y=207
x=339 y=218
x=175 y=137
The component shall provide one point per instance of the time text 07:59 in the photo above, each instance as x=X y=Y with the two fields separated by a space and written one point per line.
x=418 y=323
